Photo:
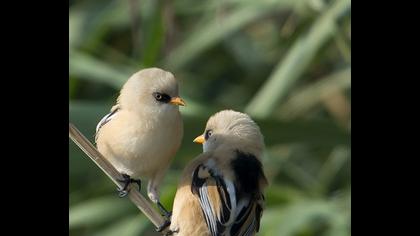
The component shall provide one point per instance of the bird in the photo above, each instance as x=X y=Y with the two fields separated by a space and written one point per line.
x=143 y=131
x=221 y=191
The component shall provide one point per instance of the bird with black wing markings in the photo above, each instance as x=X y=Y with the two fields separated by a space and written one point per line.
x=221 y=190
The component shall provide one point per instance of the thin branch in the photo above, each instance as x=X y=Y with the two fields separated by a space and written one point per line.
x=144 y=205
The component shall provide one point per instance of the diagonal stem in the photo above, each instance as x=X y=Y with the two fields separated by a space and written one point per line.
x=80 y=140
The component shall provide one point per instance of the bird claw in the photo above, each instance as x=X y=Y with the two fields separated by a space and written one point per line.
x=122 y=193
x=127 y=180
x=164 y=226
x=137 y=181
x=163 y=211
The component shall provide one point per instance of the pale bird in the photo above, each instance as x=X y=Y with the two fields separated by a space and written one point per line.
x=143 y=131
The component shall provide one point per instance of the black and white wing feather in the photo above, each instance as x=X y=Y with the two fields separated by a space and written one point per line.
x=230 y=208
x=226 y=211
x=217 y=199
x=106 y=119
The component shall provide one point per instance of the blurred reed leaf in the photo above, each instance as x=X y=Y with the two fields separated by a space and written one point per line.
x=331 y=167
x=304 y=99
x=287 y=221
x=339 y=225
x=109 y=16
x=196 y=7
x=303 y=178
x=76 y=20
x=209 y=33
x=246 y=53
x=343 y=46
x=132 y=225
x=84 y=66
x=290 y=69
x=98 y=211
x=283 y=194
x=153 y=33
x=72 y=87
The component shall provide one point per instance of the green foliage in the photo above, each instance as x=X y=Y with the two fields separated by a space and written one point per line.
x=285 y=62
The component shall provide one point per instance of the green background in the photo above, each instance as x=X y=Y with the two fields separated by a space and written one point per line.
x=287 y=63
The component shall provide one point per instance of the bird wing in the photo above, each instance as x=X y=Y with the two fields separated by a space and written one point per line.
x=217 y=199
x=226 y=211
x=106 y=119
x=247 y=221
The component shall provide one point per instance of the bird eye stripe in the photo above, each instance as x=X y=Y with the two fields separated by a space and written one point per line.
x=161 y=97
x=208 y=134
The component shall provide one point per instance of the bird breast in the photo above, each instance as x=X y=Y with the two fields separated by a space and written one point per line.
x=138 y=146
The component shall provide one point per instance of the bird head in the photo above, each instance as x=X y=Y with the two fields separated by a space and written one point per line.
x=151 y=90
x=232 y=129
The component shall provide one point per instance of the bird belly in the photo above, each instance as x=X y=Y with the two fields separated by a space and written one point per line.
x=187 y=217
x=137 y=155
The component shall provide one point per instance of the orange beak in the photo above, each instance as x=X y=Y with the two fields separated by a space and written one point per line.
x=177 y=101
x=200 y=139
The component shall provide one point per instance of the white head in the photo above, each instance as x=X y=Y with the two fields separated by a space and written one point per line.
x=232 y=129
x=151 y=90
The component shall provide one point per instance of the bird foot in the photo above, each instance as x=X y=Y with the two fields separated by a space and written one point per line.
x=170 y=232
x=127 y=180
x=164 y=226
x=163 y=211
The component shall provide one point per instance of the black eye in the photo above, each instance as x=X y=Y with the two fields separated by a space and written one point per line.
x=161 y=97
x=208 y=134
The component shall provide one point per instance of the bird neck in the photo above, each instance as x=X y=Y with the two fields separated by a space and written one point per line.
x=249 y=148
